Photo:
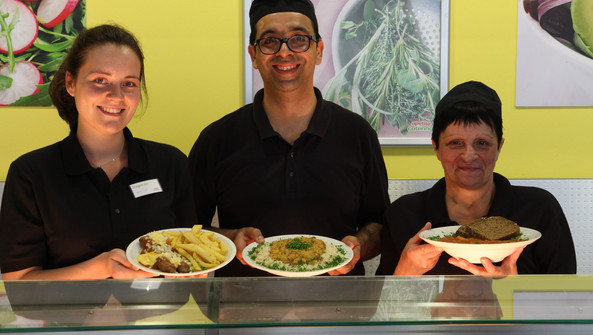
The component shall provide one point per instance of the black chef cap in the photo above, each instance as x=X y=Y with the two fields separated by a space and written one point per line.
x=471 y=91
x=261 y=8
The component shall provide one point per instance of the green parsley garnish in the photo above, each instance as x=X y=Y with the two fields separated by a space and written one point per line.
x=297 y=244
x=438 y=237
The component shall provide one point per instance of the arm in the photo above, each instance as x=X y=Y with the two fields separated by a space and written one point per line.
x=367 y=242
x=112 y=264
x=365 y=245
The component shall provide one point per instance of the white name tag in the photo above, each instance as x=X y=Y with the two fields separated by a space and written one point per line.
x=146 y=187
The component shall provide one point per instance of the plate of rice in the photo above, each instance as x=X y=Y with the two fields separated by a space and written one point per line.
x=298 y=255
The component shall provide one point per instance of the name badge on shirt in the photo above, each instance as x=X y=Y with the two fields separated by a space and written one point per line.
x=146 y=187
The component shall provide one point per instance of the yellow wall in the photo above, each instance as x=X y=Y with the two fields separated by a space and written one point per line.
x=194 y=56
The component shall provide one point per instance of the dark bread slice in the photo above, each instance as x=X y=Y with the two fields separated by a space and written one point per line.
x=489 y=228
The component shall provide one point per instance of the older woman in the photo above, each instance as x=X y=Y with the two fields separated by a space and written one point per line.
x=467 y=139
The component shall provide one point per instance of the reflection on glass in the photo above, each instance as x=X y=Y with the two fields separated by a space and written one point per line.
x=467 y=298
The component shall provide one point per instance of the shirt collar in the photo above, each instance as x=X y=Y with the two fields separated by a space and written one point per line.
x=318 y=125
x=502 y=204
x=75 y=162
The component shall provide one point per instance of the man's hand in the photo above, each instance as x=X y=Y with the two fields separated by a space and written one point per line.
x=354 y=244
x=365 y=245
x=243 y=237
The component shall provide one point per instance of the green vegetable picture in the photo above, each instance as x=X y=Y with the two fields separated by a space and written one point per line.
x=568 y=21
x=34 y=39
x=389 y=74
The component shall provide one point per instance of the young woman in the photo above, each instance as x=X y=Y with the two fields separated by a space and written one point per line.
x=70 y=209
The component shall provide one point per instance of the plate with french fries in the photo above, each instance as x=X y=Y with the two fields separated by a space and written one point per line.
x=181 y=252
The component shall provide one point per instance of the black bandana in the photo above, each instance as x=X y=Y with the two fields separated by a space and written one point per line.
x=471 y=91
x=261 y=8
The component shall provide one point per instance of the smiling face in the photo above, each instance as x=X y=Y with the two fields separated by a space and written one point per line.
x=468 y=154
x=106 y=89
x=286 y=71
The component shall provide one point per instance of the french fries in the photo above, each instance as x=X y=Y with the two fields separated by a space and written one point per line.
x=202 y=249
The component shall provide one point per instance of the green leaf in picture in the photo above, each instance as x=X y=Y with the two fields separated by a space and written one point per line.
x=5 y=82
x=53 y=47
x=48 y=57
x=415 y=86
x=403 y=76
x=347 y=25
x=68 y=24
x=350 y=35
x=39 y=99
x=58 y=29
x=369 y=10
x=51 y=66
x=392 y=120
x=403 y=124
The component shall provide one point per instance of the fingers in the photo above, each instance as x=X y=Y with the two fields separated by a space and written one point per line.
x=416 y=238
x=512 y=258
x=342 y=270
x=119 y=256
x=464 y=264
x=255 y=234
x=244 y=237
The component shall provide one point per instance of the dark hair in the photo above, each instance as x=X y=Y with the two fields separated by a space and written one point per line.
x=466 y=113
x=87 y=39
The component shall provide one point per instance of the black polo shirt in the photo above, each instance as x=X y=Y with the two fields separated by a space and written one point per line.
x=57 y=210
x=331 y=182
x=529 y=207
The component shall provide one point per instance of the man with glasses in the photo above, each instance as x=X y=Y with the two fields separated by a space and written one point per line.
x=290 y=162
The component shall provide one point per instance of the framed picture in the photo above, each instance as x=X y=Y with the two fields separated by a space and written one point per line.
x=554 y=55
x=386 y=60
x=35 y=37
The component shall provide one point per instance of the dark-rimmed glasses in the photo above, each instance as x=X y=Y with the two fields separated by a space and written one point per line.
x=296 y=43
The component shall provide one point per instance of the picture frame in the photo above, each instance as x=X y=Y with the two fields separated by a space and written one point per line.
x=404 y=114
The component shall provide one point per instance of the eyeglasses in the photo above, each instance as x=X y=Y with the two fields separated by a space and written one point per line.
x=296 y=43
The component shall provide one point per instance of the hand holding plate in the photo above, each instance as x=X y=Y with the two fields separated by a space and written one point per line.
x=507 y=267
x=244 y=237
x=354 y=243
x=417 y=258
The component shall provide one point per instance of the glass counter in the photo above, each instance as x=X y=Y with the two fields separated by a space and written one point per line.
x=328 y=305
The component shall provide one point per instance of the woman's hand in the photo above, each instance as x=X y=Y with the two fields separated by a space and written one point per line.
x=507 y=267
x=243 y=237
x=416 y=258
x=118 y=266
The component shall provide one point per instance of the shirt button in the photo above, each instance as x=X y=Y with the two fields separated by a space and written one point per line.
x=291 y=174
x=292 y=154
x=116 y=211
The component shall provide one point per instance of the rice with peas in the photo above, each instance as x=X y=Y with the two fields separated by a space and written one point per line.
x=332 y=256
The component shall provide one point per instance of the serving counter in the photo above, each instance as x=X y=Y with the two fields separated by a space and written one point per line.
x=315 y=305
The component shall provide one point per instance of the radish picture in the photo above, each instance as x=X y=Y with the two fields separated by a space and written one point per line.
x=53 y=12
x=32 y=47
x=25 y=27
x=25 y=78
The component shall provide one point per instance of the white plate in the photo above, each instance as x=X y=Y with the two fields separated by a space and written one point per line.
x=473 y=252
x=349 y=254
x=134 y=249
